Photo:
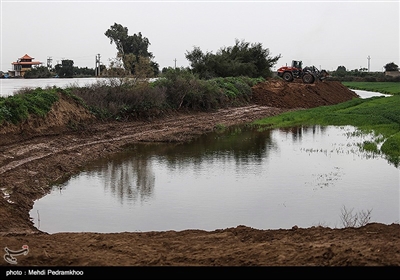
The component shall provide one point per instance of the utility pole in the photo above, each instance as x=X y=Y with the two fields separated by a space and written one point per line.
x=369 y=58
x=175 y=62
x=97 y=66
x=49 y=62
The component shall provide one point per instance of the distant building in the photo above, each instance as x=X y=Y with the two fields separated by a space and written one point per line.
x=22 y=65
x=392 y=73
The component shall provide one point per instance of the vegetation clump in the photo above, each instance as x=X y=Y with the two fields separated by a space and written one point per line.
x=178 y=89
x=352 y=220
x=241 y=59
x=25 y=102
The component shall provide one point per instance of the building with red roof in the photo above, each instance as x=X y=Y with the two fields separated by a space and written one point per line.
x=22 y=65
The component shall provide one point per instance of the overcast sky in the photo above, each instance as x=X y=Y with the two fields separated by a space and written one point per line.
x=326 y=34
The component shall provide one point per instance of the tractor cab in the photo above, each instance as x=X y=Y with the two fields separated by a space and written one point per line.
x=297 y=64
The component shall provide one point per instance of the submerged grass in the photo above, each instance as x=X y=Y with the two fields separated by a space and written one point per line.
x=377 y=115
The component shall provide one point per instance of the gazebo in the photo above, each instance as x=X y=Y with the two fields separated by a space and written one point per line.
x=22 y=65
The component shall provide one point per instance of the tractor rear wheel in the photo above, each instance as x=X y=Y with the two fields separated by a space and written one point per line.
x=287 y=76
x=308 y=78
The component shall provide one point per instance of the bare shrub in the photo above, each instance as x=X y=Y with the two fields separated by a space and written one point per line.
x=23 y=90
x=123 y=99
x=359 y=219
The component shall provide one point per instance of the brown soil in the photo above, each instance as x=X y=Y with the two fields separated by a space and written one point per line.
x=42 y=151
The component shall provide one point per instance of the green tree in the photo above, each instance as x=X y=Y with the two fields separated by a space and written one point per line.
x=85 y=71
x=341 y=71
x=242 y=59
x=341 y=68
x=38 y=72
x=391 y=67
x=65 y=69
x=119 y=36
x=131 y=48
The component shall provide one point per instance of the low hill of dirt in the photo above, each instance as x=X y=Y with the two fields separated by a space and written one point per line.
x=278 y=93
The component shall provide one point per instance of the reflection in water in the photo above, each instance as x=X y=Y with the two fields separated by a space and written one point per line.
x=234 y=143
x=129 y=180
x=244 y=175
x=129 y=175
x=297 y=132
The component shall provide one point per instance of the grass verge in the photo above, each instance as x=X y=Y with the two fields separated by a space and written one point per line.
x=19 y=106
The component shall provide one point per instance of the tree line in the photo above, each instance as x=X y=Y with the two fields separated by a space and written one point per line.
x=135 y=60
x=65 y=69
x=362 y=74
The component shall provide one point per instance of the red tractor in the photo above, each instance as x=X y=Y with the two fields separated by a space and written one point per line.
x=308 y=74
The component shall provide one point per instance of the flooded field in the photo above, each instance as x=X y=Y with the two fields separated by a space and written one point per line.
x=268 y=180
x=10 y=86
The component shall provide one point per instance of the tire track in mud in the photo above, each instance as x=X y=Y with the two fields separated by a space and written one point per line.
x=159 y=130
x=17 y=163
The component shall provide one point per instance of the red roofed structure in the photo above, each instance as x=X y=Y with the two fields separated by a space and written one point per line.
x=22 y=65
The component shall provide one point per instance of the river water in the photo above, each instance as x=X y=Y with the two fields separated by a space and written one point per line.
x=10 y=86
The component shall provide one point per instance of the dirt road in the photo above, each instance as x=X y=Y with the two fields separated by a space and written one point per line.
x=40 y=152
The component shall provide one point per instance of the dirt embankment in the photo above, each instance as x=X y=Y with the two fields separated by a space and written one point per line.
x=40 y=151
x=279 y=94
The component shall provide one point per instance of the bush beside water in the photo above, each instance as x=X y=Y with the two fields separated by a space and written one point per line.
x=129 y=98
x=123 y=98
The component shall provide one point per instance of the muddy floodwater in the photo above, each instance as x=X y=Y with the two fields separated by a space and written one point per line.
x=10 y=86
x=270 y=179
